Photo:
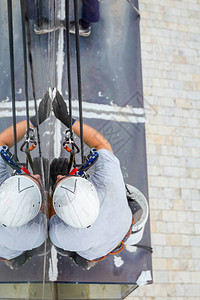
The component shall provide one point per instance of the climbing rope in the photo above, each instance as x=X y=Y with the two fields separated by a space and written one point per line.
x=30 y=58
x=54 y=45
x=68 y=63
x=25 y=63
x=27 y=150
x=76 y=15
x=69 y=143
x=70 y=134
x=12 y=73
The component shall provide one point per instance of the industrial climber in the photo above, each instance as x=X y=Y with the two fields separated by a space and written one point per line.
x=22 y=223
x=92 y=217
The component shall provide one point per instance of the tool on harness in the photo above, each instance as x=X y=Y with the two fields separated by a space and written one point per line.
x=30 y=139
x=120 y=246
x=30 y=134
x=70 y=141
x=9 y=159
x=89 y=161
x=74 y=149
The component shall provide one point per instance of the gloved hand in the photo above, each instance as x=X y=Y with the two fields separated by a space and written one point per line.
x=43 y=110
x=60 y=110
x=59 y=166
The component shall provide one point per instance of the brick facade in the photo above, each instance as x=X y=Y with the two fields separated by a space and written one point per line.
x=170 y=41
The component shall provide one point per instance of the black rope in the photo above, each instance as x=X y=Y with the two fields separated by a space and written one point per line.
x=12 y=73
x=30 y=57
x=24 y=2
x=68 y=63
x=26 y=30
x=25 y=73
x=72 y=153
x=76 y=15
x=25 y=63
x=54 y=45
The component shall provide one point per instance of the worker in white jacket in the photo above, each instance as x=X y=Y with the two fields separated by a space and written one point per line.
x=93 y=217
x=22 y=223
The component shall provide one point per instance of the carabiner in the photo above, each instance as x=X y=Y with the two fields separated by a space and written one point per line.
x=30 y=134
x=33 y=146
x=69 y=141
x=70 y=149
x=30 y=138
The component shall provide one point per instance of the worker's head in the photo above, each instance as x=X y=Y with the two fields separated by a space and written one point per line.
x=20 y=200
x=75 y=201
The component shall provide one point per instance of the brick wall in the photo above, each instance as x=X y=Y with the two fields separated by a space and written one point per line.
x=170 y=41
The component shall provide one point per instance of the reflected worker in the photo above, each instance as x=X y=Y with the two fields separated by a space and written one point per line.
x=93 y=218
x=42 y=14
x=90 y=14
x=22 y=223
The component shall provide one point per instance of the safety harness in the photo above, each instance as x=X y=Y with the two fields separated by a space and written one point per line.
x=88 y=161
x=120 y=246
x=28 y=145
x=11 y=162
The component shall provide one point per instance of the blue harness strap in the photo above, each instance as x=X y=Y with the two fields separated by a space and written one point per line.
x=8 y=158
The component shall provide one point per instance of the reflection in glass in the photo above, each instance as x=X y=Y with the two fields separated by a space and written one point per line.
x=109 y=66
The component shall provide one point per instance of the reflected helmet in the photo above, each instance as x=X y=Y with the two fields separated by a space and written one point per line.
x=76 y=202
x=20 y=200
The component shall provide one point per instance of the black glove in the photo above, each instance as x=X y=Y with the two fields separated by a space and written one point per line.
x=59 y=166
x=60 y=110
x=43 y=110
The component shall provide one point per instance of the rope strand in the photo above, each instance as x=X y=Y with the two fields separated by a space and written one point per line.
x=54 y=46
x=25 y=63
x=37 y=128
x=68 y=63
x=32 y=74
x=25 y=73
x=12 y=73
x=76 y=14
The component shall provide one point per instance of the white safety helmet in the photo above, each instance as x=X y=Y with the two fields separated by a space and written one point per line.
x=76 y=202
x=140 y=216
x=20 y=200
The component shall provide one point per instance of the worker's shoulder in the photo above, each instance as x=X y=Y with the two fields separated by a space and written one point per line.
x=107 y=155
x=106 y=167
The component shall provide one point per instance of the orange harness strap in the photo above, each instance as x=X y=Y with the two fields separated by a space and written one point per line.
x=120 y=246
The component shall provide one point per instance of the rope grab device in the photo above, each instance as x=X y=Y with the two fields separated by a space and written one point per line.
x=89 y=160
